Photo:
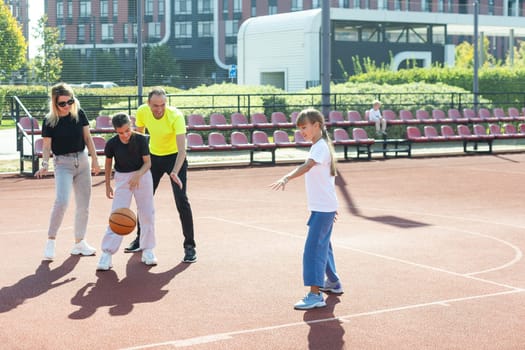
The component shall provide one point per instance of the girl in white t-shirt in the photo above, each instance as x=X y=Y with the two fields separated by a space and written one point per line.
x=320 y=170
x=374 y=115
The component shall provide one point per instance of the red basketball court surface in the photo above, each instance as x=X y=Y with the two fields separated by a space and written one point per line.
x=429 y=251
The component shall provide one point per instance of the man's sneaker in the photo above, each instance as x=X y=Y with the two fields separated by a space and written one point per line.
x=310 y=301
x=83 y=248
x=190 y=256
x=104 y=263
x=134 y=246
x=332 y=287
x=49 y=252
x=148 y=257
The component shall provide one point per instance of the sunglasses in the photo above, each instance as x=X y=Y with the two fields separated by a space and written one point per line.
x=64 y=103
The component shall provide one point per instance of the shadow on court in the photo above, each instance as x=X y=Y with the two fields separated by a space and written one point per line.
x=384 y=219
x=32 y=286
x=326 y=331
x=139 y=286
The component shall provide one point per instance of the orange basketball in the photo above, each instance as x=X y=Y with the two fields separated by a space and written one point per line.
x=122 y=221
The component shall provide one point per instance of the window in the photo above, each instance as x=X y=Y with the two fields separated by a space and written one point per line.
x=125 y=32
x=253 y=12
x=134 y=32
x=182 y=7
x=154 y=30
x=297 y=5
x=204 y=6
x=148 y=10
x=316 y=4
x=107 y=31
x=70 y=9
x=237 y=5
x=62 y=32
x=183 y=30
x=104 y=8
x=205 y=29
x=225 y=6
x=85 y=8
x=230 y=50
x=81 y=32
x=115 y=8
x=272 y=9
x=162 y=8
x=60 y=9
x=231 y=28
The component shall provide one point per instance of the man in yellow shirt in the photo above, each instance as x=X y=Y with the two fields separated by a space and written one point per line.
x=167 y=144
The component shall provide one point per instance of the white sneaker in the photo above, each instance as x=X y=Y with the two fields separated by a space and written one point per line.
x=104 y=263
x=148 y=257
x=332 y=287
x=83 y=248
x=49 y=252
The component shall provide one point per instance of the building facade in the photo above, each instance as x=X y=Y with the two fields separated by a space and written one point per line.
x=202 y=34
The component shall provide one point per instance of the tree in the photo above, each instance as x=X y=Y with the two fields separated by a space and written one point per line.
x=13 y=46
x=465 y=55
x=47 y=65
x=160 y=66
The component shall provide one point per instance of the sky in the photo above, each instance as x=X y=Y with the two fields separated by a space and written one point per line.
x=36 y=10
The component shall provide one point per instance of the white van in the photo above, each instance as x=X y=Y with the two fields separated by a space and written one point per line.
x=102 y=84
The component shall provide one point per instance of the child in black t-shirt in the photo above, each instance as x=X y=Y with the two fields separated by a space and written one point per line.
x=132 y=178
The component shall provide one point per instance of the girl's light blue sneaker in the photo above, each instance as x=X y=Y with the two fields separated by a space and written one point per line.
x=332 y=287
x=310 y=301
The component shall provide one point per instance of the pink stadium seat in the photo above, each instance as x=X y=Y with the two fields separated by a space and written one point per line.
x=239 y=121
x=480 y=131
x=39 y=147
x=448 y=133
x=195 y=143
x=239 y=141
x=100 y=144
x=407 y=117
x=499 y=113
x=341 y=137
x=360 y=136
x=432 y=134
x=484 y=115
x=197 y=122
x=414 y=134
x=282 y=139
x=103 y=124
x=25 y=123
x=217 y=141
x=423 y=116
x=293 y=117
x=514 y=113
x=354 y=118
x=336 y=118
x=299 y=139
x=261 y=141
x=455 y=115
x=260 y=121
x=439 y=116
x=218 y=121
x=279 y=120
x=391 y=117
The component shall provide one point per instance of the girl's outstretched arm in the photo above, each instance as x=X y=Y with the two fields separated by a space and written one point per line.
x=299 y=171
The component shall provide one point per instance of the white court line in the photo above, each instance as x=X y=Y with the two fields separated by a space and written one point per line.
x=386 y=257
x=345 y=319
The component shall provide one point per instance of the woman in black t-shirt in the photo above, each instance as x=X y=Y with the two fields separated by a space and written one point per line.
x=66 y=134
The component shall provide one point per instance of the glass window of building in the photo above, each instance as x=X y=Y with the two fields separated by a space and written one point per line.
x=316 y=4
x=60 y=9
x=162 y=7
x=154 y=30
x=297 y=5
x=125 y=32
x=346 y=33
x=104 y=8
x=205 y=6
x=253 y=11
x=62 y=32
x=85 y=8
x=148 y=8
x=230 y=50
x=231 y=27
x=182 y=29
x=182 y=7
x=107 y=31
x=70 y=9
x=81 y=32
x=115 y=8
x=134 y=32
x=205 y=29
x=225 y=6
x=237 y=5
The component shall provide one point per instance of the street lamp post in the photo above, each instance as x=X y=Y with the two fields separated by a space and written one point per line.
x=475 y=87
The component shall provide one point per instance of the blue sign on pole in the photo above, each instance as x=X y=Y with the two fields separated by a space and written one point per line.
x=233 y=71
